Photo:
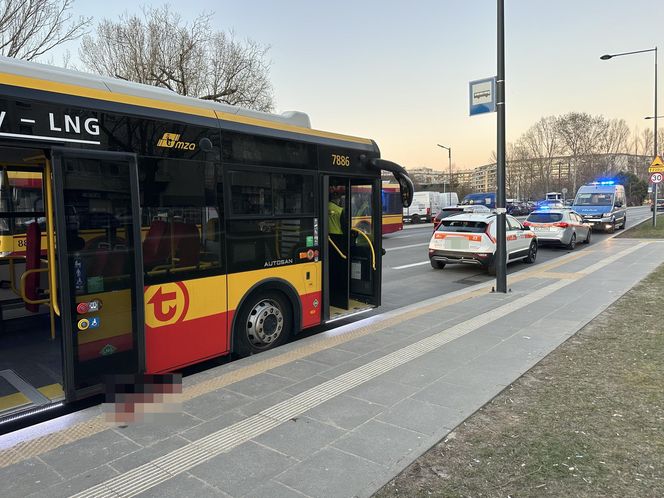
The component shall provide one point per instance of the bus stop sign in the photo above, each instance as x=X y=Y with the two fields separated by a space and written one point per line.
x=482 y=96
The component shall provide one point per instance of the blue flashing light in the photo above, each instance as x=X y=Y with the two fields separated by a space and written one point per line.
x=604 y=183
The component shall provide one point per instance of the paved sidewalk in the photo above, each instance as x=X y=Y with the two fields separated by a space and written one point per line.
x=339 y=413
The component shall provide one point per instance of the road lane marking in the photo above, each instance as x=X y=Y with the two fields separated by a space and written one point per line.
x=407 y=247
x=403 y=236
x=410 y=265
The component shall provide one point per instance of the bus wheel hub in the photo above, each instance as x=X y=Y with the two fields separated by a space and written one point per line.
x=265 y=323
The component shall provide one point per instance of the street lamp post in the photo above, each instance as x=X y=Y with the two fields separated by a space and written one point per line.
x=654 y=117
x=449 y=155
x=501 y=212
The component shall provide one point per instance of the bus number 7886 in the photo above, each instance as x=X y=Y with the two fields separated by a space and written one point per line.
x=339 y=160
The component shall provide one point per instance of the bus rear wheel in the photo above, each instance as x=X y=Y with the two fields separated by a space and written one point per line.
x=265 y=321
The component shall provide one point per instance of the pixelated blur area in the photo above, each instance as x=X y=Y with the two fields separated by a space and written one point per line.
x=134 y=399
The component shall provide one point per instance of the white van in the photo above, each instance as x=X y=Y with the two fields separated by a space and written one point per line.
x=448 y=199
x=424 y=207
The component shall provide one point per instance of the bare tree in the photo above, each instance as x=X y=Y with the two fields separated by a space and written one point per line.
x=160 y=49
x=543 y=142
x=30 y=28
x=574 y=129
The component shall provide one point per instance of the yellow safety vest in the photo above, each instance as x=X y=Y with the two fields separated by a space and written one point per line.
x=334 y=213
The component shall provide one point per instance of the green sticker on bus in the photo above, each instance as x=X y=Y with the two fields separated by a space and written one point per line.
x=310 y=240
x=95 y=284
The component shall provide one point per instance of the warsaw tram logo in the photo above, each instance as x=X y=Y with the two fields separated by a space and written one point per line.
x=172 y=141
x=166 y=304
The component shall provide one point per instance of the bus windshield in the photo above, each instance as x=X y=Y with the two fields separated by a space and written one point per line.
x=594 y=199
x=392 y=201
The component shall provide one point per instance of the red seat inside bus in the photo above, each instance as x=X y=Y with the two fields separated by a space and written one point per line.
x=156 y=244
x=187 y=243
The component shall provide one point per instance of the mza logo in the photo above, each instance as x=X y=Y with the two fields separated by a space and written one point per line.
x=166 y=304
x=172 y=141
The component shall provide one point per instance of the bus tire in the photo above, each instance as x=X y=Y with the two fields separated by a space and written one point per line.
x=265 y=321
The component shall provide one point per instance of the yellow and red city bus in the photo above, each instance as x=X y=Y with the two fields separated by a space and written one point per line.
x=392 y=209
x=143 y=231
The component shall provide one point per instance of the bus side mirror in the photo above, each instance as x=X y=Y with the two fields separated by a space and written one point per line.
x=405 y=183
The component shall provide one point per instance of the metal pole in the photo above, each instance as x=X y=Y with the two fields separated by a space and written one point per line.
x=501 y=243
x=450 y=157
x=654 y=187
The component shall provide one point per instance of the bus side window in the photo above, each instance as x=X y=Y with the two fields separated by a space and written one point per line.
x=180 y=219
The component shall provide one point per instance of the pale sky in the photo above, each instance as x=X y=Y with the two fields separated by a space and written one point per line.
x=398 y=71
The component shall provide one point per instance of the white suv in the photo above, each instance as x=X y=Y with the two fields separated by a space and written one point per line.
x=471 y=239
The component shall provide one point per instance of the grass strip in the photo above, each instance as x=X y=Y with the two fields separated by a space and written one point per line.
x=645 y=230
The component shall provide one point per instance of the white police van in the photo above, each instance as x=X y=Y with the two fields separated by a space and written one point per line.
x=602 y=204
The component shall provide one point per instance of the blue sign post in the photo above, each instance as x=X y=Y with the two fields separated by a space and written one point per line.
x=482 y=95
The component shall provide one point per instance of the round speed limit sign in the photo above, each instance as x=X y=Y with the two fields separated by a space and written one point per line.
x=656 y=178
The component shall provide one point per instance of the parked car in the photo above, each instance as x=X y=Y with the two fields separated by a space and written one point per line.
x=559 y=226
x=660 y=205
x=453 y=210
x=517 y=208
x=470 y=238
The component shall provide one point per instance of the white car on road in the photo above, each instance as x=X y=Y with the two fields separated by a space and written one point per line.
x=471 y=239
x=559 y=226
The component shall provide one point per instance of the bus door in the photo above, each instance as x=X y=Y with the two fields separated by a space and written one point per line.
x=365 y=241
x=352 y=256
x=30 y=341
x=99 y=265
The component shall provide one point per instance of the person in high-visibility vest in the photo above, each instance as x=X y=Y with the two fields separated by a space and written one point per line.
x=335 y=210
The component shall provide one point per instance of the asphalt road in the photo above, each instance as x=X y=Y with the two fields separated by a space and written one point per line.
x=408 y=277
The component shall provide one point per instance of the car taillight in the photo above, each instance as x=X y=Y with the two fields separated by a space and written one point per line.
x=526 y=223
x=487 y=231
x=561 y=224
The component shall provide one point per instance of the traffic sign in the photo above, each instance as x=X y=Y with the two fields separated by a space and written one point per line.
x=482 y=96
x=656 y=178
x=564 y=190
x=656 y=166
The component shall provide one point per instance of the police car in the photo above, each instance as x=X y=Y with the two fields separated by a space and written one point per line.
x=471 y=239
